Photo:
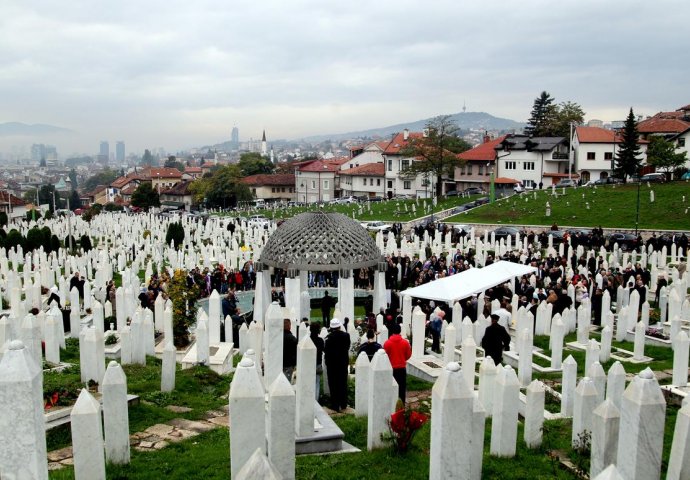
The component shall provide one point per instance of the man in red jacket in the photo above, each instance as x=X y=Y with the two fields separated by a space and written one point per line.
x=398 y=350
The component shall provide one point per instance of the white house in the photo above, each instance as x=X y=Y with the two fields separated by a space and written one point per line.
x=421 y=186
x=363 y=180
x=682 y=143
x=594 y=152
x=532 y=160
x=316 y=181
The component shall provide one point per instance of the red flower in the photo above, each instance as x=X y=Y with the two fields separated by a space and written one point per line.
x=417 y=419
x=398 y=421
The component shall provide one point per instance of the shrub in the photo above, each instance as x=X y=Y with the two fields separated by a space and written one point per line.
x=85 y=242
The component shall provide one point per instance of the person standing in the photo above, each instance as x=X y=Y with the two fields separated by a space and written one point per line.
x=399 y=351
x=337 y=354
x=326 y=305
x=496 y=340
x=289 y=350
x=371 y=346
x=314 y=331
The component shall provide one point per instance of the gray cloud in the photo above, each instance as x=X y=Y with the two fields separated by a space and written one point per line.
x=178 y=73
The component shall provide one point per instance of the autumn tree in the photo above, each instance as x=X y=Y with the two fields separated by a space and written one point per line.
x=433 y=152
x=662 y=154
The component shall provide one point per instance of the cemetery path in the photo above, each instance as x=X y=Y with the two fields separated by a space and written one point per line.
x=156 y=436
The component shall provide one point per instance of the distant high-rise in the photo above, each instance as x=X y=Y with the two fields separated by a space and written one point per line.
x=105 y=148
x=235 y=137
x=38 y=152
x=120 y=152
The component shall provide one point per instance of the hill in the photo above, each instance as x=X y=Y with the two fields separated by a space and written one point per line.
x=19 y=129
x=464 y=120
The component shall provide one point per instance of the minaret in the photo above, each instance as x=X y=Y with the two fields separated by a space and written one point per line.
x=272 y=156
x=264 y=150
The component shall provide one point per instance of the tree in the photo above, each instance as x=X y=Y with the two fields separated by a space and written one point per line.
x=222 y=189
x=3 y=219
x=105 y=177
x=73 y=179
x=184 y=300
x=175 y=234
x=148 y=159
x=566 y=113
x=252 y=163
x=145 y=196
x=542 y=117
x=663 y=156
x=628 y=161
x=74 y=200
x=431 y=153
x=172 y=162
x=13 y=239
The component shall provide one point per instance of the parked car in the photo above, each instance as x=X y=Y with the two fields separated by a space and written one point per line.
x=378 y=226
x=375 y=199
x=258 y=221
x=566 y=182
x=473 y=191
x=481 y=201
x=520 y=188
x=452 y=193
x=653 y=178
x=505 y=232
x=349 y=199
x=625 y=241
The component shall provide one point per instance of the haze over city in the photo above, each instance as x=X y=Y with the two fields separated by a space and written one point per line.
x=180 y=74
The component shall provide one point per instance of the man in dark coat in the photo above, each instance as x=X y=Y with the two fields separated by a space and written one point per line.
x=337 y=356
x=496 y=340
x=289 y=349
x=326 y=305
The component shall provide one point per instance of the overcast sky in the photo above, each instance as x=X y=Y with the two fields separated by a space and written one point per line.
x=177 y=73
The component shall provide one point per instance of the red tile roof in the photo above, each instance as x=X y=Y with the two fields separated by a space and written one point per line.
x=596 y=135
x=484 y=152
x=162 y=172
x=13 y=200
x=262 y=179
x=123 y=181
x=369 y=170
x=129 y=189
x=659 y=124
x=323 y=166
x=179 y=189
x=398 y=143
x=192 y=170
x=505 y=180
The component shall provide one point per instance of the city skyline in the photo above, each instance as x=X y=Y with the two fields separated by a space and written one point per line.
x=179 y=75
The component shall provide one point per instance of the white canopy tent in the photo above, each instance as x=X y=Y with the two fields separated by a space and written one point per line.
x=469 y=282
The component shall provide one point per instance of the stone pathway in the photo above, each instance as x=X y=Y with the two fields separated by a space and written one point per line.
x=156 y=436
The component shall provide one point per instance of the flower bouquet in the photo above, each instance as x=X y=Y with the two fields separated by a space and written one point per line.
x=403 y=425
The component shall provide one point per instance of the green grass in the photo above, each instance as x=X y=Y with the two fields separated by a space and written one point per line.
x=610 y=206
x=663 y=356
x=387 y=211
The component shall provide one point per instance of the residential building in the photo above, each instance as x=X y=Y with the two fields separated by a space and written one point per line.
x=533 y=161
x=12 y=205
x=594 y=152
x=272 y=187
x=367 y=180
x=477 y=165
x=419 y=185
x=316 y=181
x=122 y=183
x=192 y=173
x=177 y=197
x=665 y=123
x=682 y=142
x=97 y=195
x=162 y=178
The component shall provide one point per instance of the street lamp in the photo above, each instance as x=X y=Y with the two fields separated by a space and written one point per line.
x=492 y=185
x=637 y=213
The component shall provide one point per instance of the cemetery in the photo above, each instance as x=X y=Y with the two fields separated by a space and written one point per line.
x=100 y=380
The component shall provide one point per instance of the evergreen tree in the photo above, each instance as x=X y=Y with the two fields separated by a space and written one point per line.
x=145 y=197
x=628 y=161
x=541 y=119
x=175 y=234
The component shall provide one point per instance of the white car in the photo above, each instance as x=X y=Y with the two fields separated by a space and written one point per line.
x=378 y=227
x=520 y=188
x=258 y=221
